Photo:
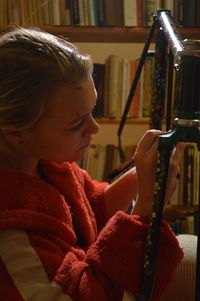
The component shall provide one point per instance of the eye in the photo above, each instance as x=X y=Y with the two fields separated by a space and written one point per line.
x=78 y=126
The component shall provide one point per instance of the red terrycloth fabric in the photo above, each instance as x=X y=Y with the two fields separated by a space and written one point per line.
x=64 y=219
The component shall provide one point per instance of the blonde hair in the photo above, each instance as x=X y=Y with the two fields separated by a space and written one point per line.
x=32 y=64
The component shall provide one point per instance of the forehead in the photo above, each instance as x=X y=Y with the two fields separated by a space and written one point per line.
x=72 y=102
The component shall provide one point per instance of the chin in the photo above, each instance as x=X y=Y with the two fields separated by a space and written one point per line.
x=74 y=158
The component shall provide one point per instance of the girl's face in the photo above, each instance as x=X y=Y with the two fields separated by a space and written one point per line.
x=65 y=130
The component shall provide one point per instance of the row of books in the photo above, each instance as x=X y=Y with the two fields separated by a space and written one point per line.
x=186 y=225
x=185 y=13
x=96 y=12
x=187 y=192
x=35 y=12
x=113 y=81
x=100 y=160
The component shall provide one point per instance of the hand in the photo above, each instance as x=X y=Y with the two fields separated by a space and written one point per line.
x=146 y=165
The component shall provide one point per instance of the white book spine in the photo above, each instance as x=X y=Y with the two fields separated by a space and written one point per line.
x=130 y=13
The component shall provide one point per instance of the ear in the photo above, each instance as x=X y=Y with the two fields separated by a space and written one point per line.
x=13 y=136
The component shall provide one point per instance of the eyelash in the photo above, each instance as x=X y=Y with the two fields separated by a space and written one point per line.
x=77 y=127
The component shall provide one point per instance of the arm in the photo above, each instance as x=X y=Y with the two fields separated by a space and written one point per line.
x=121 y=193
x=42 y=267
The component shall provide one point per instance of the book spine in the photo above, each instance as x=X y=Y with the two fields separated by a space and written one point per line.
x=81 y=13
x=100 y=4
x=130 y=13
x=85 y=12
x=113 y=89
x=67 y=12
x=119 y=13
x=110 y=13
x=74 y=12
x=56 y=12
x=169 y=4
x=197 y=14
x=91 y=13
x=149 y=12
x=140 y=13
x=189 y=13
x=96 y=13
x=135 y=103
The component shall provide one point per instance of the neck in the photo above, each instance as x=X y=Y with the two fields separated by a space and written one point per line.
x=11 y=158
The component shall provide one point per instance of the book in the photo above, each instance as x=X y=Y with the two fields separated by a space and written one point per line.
x=109 y=151
x=150 y=10
x=74 y=12
x=110 y=17
x=85 y=12
x=176 y=12
x=140 y=13
x=189 y=11
x=56 y=12
x=14 y=12
x=91 y=13
x=40 y=12
x=100 y=7
x=180 y=10
x=130 y=13
x=135 y=103
x=64 y=7
x=30 y=20
x=116 y=158
x=81 y=13
x=147 y=85
x=101 y=162
x=119 y=8
x=114 y=13
x=190 y=224
x=124 y=85
x=46 y=13
x=169 y=4
x=112 y=94
x=67 y=12
x=197 y=15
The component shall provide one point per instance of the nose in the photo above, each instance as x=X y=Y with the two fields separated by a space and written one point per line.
x=92 y=126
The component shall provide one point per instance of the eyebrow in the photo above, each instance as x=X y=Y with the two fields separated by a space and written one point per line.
x=79 y=118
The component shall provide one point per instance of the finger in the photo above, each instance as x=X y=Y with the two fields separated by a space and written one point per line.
x=148 y=139
x=177 y=153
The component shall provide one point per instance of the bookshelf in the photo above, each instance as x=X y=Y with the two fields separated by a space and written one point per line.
x=121 y=40
x=96 y=34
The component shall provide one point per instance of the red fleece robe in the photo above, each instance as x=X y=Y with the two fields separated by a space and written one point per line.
x=55 y=242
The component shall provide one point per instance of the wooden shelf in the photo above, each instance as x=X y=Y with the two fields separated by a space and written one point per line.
x=173 y=212
x=104 y=120
x=94 y=34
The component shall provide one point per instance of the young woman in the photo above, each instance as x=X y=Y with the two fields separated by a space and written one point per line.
x=64 y=236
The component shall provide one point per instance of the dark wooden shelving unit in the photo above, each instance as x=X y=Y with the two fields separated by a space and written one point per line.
x=94 y=34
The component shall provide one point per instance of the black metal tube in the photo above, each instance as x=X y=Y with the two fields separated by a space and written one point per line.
x=159 y=82
x=137 y=75
x=169 y=91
